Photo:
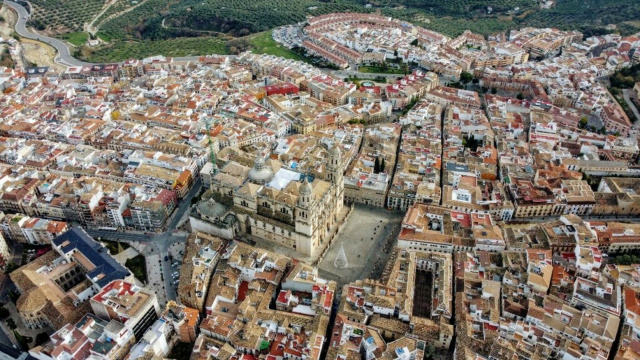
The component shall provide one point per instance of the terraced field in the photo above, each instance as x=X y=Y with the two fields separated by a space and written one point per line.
x=586 y=13
x=131 y=25
x=60 y=16
x=124 y=50
x=252 y=16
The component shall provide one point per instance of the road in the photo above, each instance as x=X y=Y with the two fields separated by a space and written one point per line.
x=158 y=244
x=64 y=52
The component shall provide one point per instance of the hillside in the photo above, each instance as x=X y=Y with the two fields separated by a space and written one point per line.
x=155 y=20
x=451 y=17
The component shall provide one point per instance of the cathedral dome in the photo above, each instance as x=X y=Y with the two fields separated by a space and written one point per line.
x=260 y=174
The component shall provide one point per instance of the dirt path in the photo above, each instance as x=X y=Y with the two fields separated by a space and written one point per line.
x=92 y=29
x=97 y=27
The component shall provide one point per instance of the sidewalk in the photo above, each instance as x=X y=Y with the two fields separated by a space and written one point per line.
x=155 y=278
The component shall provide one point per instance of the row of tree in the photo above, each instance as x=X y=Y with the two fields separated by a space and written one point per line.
x=378 y=166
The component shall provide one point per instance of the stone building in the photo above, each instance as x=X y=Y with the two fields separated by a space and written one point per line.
x=274 y=203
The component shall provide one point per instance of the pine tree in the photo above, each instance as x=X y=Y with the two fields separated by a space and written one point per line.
x=382 y=165
x=376 y=166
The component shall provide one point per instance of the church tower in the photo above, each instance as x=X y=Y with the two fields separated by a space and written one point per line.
x=304 y=209
x=336 y=175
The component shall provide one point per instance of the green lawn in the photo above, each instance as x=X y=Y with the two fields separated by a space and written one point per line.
x=75 y=38
x=379 y=70
x=104 y=36
x=358 y=81
x=263 y=43
x=138 y=267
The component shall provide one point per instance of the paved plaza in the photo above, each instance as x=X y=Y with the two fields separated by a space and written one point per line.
x=368 y=238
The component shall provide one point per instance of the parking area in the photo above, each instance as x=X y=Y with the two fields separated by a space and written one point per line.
x=368 y=238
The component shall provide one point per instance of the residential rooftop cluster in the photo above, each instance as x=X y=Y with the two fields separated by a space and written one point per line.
x=518 y=192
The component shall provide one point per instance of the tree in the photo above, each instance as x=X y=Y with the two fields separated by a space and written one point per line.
x=4 y=313
x=181 y=351
x=382 y=165
x=465 y=77
x=583 y=122
x=520 y=96
x=429 y=351
x=494 y=90
x=376 y=166
x=9 y=269
x=471 y=143
x=22 y=340
x=42 y=338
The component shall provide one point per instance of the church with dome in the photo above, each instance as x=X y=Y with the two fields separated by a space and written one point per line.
x=274 y=203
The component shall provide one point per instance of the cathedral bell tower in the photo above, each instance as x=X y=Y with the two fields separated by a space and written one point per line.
x=336 y=175
x=304 y=208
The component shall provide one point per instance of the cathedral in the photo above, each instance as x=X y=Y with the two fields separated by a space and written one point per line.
x=274 y=203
